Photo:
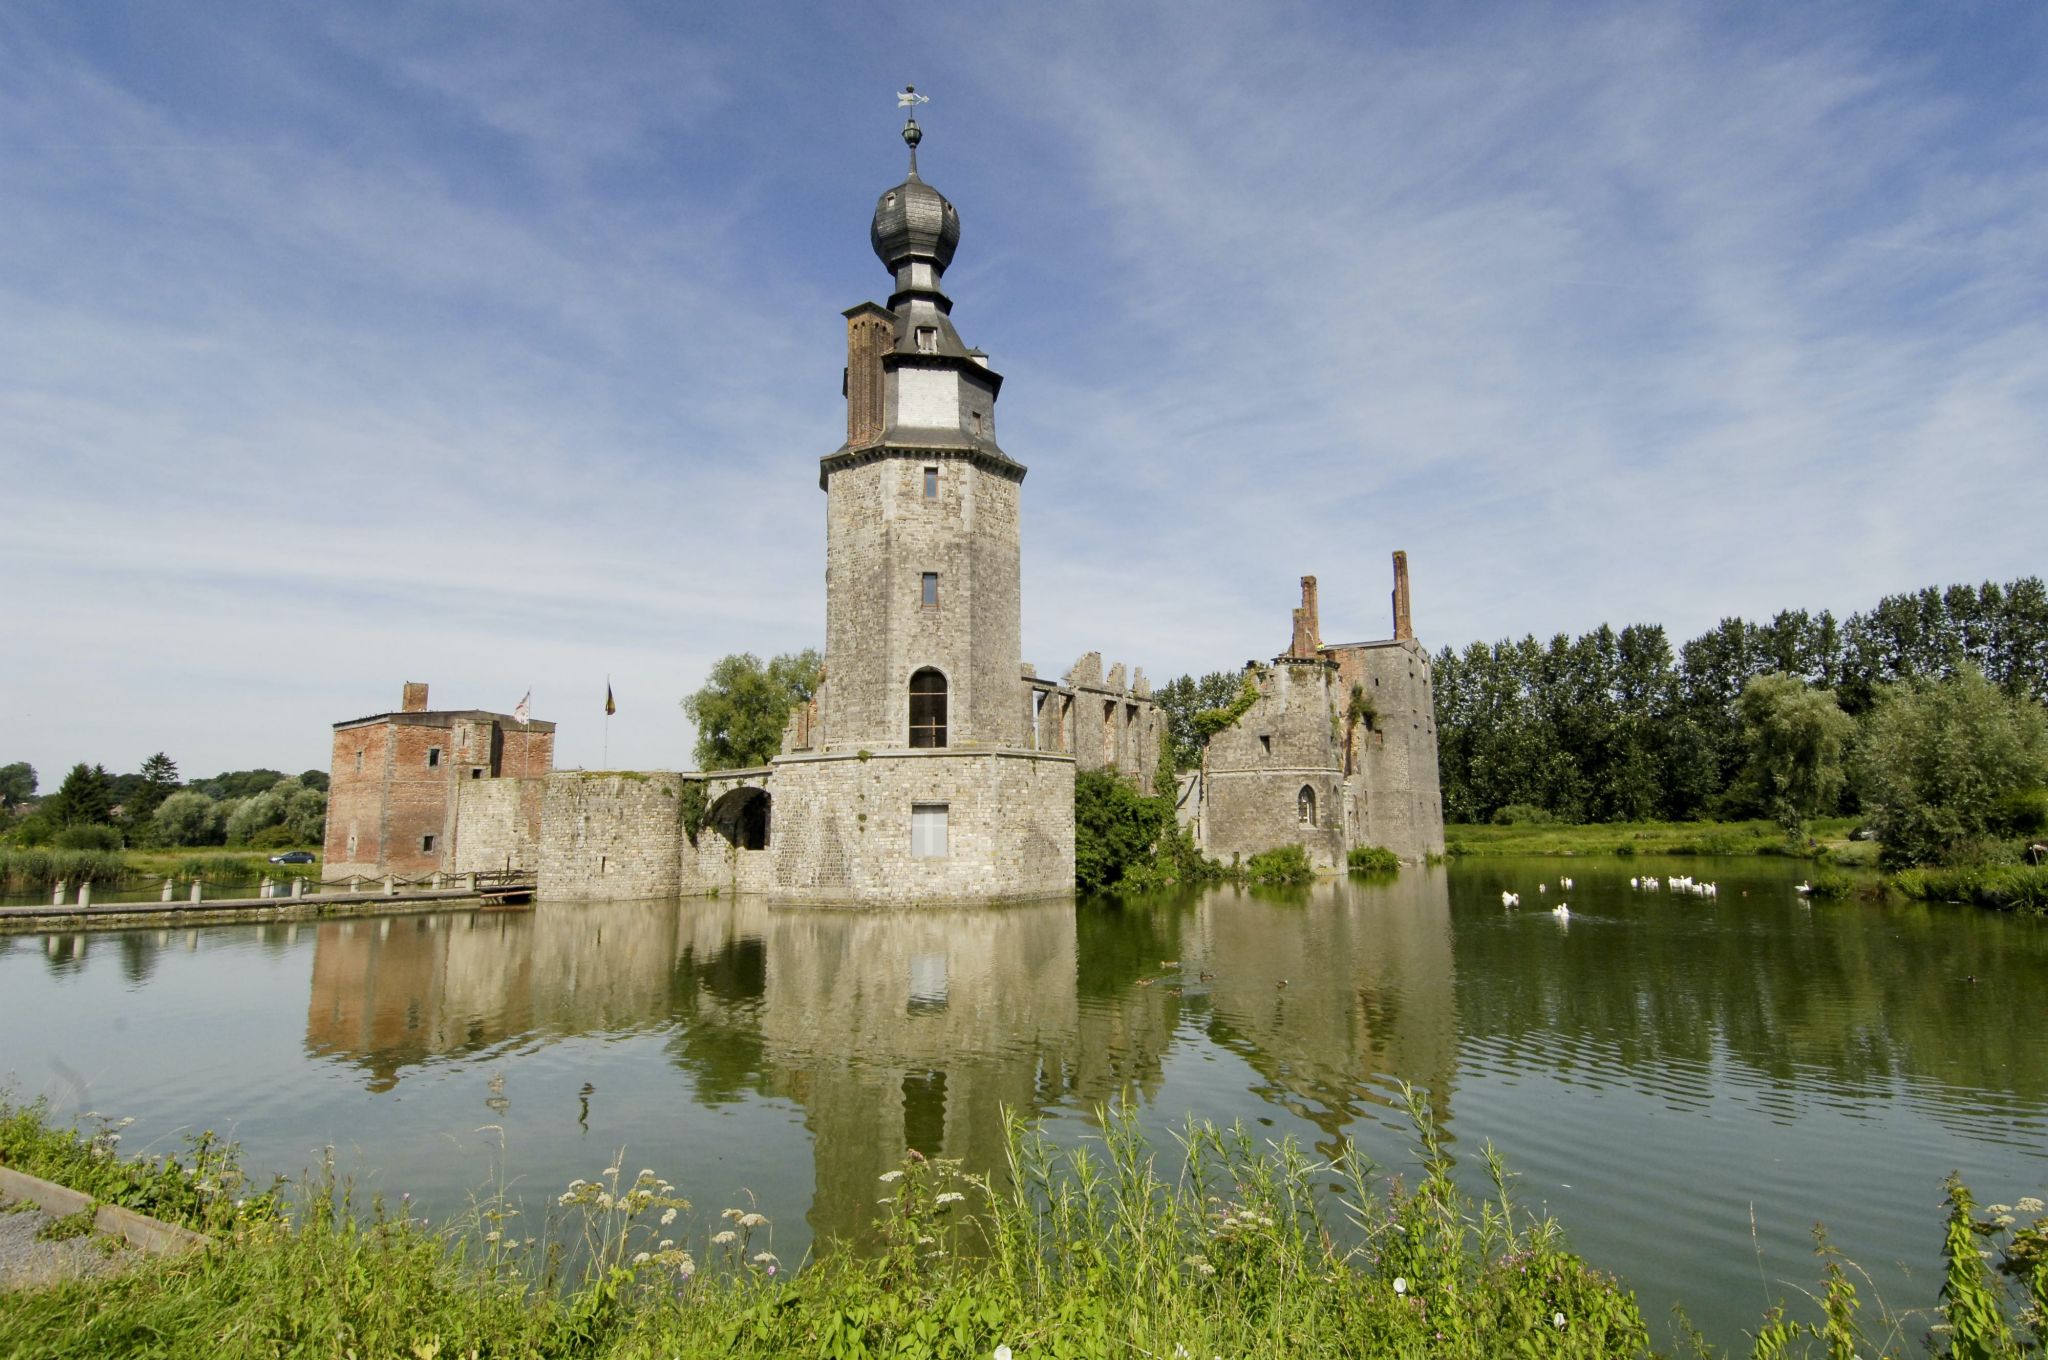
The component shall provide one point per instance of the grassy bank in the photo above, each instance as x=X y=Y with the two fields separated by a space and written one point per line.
x=1826 y=838
x=1222 y=1251
x=24 y=870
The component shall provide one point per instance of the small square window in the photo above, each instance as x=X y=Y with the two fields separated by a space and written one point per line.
x=433 y=757
x=927 y=340
x=427 y=844
x=928 y=830
x=930 y=590
x=476 y=774
x=931 y=483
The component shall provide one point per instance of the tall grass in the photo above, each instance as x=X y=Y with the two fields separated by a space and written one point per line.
x=37 y=868
x=2002 y=887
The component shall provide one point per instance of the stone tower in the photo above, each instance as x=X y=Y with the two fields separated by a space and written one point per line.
x=922 y=631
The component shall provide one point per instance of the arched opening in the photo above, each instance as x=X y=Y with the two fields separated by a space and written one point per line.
x=742 y=818
x=927 y=708
x=1306 y=805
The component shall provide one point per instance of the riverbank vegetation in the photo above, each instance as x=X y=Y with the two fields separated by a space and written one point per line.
x=1224 y=1246
x=152 y=809
x=1828 y=838
x=35 y=869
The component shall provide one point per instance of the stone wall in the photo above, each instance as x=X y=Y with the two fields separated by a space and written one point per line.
x=497 y=825
x=1397 y=796
x=842 y=826
x=1253 y=772
x=610 y=835
x=882 y=534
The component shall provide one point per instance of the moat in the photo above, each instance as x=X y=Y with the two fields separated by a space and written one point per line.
x=1662 y=1071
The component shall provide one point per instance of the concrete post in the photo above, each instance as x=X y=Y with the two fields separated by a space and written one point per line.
x=167 y=888
x=85 y=893
x=197 y=885
x=469 y=881
x=298 y=887
x=263 y=888
x=63 y=891
x=391 y=885
x=437 y=880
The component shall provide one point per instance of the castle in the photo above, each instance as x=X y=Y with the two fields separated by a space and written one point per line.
x=932 y=764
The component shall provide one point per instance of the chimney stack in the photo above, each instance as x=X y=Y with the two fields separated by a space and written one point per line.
x=1308 y=640
x=415 y=700
x=1404 y=623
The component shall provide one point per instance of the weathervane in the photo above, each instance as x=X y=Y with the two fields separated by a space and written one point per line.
x=909 y=98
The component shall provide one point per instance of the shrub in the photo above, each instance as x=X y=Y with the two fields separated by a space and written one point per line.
x=1522 y=814
x=1373 y=859
x=1115 y=829
x=86 y=837
x=1282 y=865
x=1939 y=763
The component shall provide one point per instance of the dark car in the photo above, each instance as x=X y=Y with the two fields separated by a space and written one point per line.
x=293 y=857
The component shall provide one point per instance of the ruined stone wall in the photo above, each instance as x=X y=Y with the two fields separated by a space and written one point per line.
x=1396 y=796
x=1106 y=721
x=842 y=826
x=882 y=534
x=1253 y=772
x=610 y=835
x=497 y=825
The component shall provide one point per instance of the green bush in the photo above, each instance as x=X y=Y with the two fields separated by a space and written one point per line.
x=86 y=836
x=2023 y=813
x=1115 y=829
x=2001 y=887
x=1373 y=859
x=23 y=869
x=1283 y=865
x=1522 y=814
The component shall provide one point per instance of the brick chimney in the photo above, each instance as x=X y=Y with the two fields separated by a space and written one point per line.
x=1308 y=640
x=415 y=699
x=870 y=333
x=1404 y=624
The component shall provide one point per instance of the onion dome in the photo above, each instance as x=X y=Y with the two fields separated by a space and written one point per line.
x=913 y=221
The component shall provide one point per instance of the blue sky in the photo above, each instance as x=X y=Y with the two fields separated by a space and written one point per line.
x=494 y=345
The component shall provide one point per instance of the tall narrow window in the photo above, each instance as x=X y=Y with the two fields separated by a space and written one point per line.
x=928 y=590
x=931 y=483
x=359 y=762
x=928 y=831
x=433 y=756
x=927 y=709
x=427 y=844
x=927 y=340
x=1307 y=805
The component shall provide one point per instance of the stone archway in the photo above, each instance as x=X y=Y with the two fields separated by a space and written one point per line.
x=742 y=817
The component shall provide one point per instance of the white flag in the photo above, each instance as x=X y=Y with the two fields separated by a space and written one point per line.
x=908 y=96
x=524 y=709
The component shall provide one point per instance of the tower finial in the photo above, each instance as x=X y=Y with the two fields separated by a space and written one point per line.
x=909 y=98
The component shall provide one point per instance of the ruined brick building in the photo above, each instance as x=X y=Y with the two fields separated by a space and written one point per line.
x=933 y=764
x=1337 y=749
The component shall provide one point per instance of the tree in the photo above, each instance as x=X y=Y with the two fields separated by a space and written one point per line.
x=159 y=780
x=296 y=814
x=742 y=708
x=17 y=784
x=1795 y=737
x=189 y=817
x=1180 y=700
x=1939 y=760
x=85 y=798
x=237 y=783
x=1115 y=828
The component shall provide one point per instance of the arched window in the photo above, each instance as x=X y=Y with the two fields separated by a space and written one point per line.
x=927 y=708
x=1307 y=805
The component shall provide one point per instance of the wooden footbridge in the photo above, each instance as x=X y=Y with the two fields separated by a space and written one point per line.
x=284 y=900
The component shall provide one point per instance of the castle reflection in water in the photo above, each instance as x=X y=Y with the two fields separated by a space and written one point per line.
x=918 y=1028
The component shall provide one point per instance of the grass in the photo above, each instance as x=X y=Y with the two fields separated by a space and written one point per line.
x=23 y=870
x=1829 y=835
x=1222 y=1247
x=2002 y=887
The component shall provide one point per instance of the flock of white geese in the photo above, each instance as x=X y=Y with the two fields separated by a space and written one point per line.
x=1563 y=910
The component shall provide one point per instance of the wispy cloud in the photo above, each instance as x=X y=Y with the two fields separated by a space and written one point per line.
x=497 y=348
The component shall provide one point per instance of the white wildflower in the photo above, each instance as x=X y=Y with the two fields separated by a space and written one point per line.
x=730 y=1213
x=668 y=1217
x=764 y=1258
x=1400 y=1284
x=950 y=1197
x=492 y=1236
x=666 y=1243
x=1557 y=1319
x=611 y=1171
x=897 y=1176
x=753 y=1220
x=725 y=1239
x=2029 y=1205
x=1002 y=1353
x=640 y=1258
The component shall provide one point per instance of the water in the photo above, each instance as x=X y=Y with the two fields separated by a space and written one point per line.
x=1688 y=1084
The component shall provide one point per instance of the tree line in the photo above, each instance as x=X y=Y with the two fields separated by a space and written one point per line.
x=150 y=808
x=1617 y=726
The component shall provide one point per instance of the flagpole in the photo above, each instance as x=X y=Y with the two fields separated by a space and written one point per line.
x=607 y=722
